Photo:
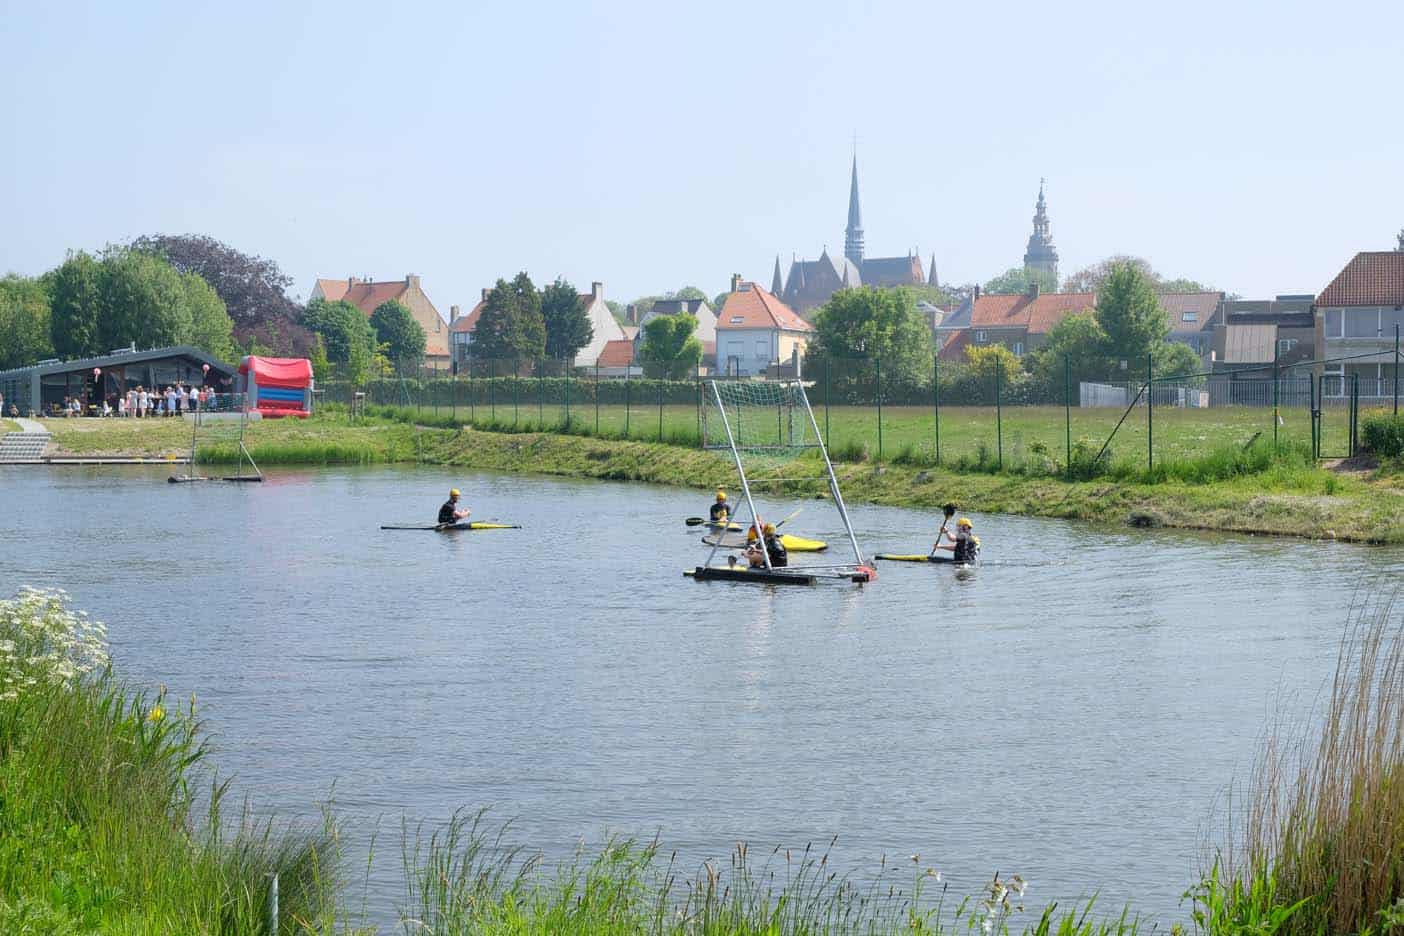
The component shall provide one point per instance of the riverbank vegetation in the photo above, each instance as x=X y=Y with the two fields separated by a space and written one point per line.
x=1246 y=489
x=104 y=826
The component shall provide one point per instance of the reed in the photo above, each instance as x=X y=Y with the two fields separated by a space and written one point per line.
x=1320 y=840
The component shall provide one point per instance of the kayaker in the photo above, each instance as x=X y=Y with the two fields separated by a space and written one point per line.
x=721 y=510
x=450 y=511
x=772 y=544
x=964 y=545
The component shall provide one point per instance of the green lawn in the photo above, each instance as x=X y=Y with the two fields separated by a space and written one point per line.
x=7 y=426
x=911 y=431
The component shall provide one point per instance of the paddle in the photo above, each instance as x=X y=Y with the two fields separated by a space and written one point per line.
x=949 y=511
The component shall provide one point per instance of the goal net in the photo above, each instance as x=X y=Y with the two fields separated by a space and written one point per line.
x=758 y=417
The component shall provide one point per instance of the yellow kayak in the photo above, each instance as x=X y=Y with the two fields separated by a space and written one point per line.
x=791 y=543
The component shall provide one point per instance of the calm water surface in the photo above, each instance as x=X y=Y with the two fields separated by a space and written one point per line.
x=1071 y=711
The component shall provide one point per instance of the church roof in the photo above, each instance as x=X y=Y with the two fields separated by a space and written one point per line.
x=892 y=271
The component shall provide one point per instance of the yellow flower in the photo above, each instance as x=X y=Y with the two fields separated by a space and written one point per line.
x=156 y=714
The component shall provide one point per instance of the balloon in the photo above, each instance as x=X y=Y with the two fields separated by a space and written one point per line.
x=205 y=368
x=97 y=371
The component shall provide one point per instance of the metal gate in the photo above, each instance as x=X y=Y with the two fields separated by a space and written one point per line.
x=1335 y=411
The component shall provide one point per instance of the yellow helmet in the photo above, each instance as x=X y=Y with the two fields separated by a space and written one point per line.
x=721 y=495
x=751 y=535
x=453 y=493
x=964 y=523
x=770 y=528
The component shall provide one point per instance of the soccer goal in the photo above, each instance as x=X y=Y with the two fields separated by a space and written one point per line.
x=766 y=425
x=217 y=431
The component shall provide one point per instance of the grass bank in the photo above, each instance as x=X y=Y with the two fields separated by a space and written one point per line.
x=1252 y=490
x=99 y=825
x=8 y=426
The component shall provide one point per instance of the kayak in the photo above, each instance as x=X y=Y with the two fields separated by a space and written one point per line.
x=791 y=543
x=444 y=528
x=940 y=560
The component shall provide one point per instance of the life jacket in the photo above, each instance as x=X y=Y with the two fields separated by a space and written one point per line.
x=967 y=548
x=720 y=511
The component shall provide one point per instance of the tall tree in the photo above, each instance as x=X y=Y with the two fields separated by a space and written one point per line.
x=396 y=330
x=76 y=306
x=568 y=327
x=1129 y=312
x=670 y=349
x=143 y=301
x=1016 y=280
x=869 y=322
x=1090 y=279
x=346 y=333
x=511 y=326
x=24 y=322
x=1076 y=343
x=254 y=289
x=210 y=326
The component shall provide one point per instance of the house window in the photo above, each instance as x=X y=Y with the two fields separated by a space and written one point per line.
x=737 y=319
x=1362 y=323
x=1189 y=316
x=1332 y=327
x=763 y=350
x=1018 y=348
x=1285 y=345
x=980 y=337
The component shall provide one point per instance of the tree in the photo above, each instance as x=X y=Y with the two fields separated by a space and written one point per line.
x=75 y=306
x=1017 y=280
x=511 y=326
x=568 y=327
x=869 y=322
x=939 y=296
x=143 y=301
x=321 y=366
x=719 y=301
x=396 y=330
x=347 y=335
x=670 y=350
x=989 y=360
x=254 y=289
x=24 y=322
x=1077 y=340
x=210 y=326
x=1175 y=359
x=1129 y=312
x=687 y=292
x=1090 y=279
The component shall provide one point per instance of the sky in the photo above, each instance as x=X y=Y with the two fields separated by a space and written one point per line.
x=1253 y=147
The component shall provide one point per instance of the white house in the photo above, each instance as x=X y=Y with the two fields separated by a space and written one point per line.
x=755 y=330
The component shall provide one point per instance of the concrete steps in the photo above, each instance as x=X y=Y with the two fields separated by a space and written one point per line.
x=23 y=448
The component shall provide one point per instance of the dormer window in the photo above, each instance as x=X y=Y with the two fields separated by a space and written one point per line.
x=1189 y=316
x=737 y=319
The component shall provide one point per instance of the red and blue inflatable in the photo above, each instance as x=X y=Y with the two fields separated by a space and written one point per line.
x=276 y=387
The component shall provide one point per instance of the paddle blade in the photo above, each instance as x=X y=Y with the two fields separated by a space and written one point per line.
x=695 y=521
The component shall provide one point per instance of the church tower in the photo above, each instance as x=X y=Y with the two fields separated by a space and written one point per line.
x=1041 y=255
x=853 y=236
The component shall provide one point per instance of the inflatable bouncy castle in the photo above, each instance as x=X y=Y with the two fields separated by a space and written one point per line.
x=276 y=386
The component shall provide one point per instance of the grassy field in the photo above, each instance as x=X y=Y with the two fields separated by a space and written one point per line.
x=852 y=433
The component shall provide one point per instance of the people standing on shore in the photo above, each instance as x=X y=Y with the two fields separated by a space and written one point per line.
x=143 y=402
x=170 y=400
x=182 y=399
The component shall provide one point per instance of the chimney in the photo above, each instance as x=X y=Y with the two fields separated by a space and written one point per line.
x=1033 y=290
x=975 y=293
x=631 y=314
x=597 y=290
x=351 y=281
x=453 y=314
x=411 y=281
x=735 y=282
x=486 y=290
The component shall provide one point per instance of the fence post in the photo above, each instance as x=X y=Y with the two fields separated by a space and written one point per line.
x=1067 y=409
x=828 y=389
x=1275 y=395
x=1396 y=368
x=877 y=371
x=492 y=400
x=516 y=391
x=597 y=397
x=626 y=401
x=936 y=400
x=540 y=394
x=697 y=402
x=1315 y=419
x=660 y=409
x=999 y=415
x=566 y=369
x=1150 y=416
x=434 y=382
x=453 y=396
x=1354 y=410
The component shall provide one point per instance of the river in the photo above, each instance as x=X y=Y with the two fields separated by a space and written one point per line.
x=1071 y=711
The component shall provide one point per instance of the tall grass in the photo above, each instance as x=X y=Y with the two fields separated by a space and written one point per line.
x=1322 y=833
x=466 y=878
x=100 y=829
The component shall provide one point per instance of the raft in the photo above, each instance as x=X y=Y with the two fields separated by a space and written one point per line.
x=740 y=573
x=445 y=528
x=791 y=543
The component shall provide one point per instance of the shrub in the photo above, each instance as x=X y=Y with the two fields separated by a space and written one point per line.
x=1383 y=434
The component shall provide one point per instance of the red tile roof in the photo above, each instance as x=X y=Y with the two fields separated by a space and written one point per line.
x=753 y=307
x=617 y=353
x=368 y=296
x=466 y=323
x=1038 y=314
x=333 y=289
x=1371 y=278
x=954 y=348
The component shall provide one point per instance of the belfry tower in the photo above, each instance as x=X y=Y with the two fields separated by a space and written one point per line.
x=1041 y=255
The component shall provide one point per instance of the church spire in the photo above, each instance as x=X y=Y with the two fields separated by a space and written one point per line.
x=934 y=280
x=776 y=285
x=853 y=236
x=1041 y=254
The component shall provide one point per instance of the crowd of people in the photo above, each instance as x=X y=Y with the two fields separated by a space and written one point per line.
x=140 y=403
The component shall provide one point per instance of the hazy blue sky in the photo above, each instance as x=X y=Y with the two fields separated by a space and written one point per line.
x=650 y=145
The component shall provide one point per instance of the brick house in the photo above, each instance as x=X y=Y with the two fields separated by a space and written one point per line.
x=366 y=295
x=1356 y=314
x=756 y=331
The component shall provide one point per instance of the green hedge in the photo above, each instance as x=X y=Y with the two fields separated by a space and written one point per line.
x=1383 y=434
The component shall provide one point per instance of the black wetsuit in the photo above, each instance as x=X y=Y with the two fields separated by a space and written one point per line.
x=720 y=512
x=446 y=512
x=778 y=556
